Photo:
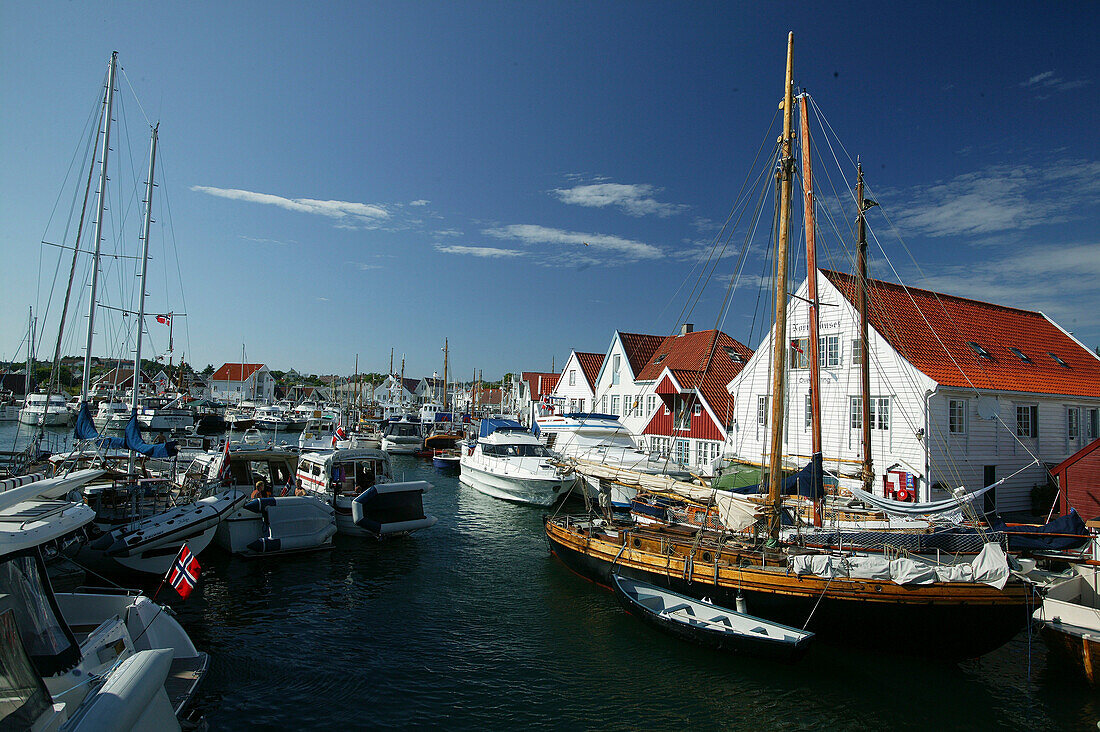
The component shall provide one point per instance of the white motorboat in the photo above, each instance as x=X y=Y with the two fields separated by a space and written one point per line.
x=82 y=660
x=320 y=433
x=508 y=462
x=273 y=418
x=145 y=522
x=403 y=436
x=359 y=485
x=112 y=415
x=599 y=438
x=280 y=521
x=49 y=410
x=158 y=415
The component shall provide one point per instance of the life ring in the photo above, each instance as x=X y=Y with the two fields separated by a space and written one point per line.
x=902 y=494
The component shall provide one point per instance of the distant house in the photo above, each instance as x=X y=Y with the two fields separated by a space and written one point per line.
x=236 y=382
x=963 y=392
x=617 y=385
x=397 y=392
x=575 y=390
x=683 y=397
x=529 y=389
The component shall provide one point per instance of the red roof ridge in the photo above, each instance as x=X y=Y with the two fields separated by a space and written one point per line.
x=833 y=275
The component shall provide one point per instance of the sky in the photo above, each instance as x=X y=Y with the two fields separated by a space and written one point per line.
x=522 y=179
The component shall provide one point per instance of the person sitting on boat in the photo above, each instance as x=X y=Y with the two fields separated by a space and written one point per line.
x=299 y=490
x=258 y=492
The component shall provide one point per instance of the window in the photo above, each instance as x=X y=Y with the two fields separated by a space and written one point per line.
x=615 y=370
x=855 y=411
x=809 y=413
x=1092 y=423
x=572 y=377
x=615 y=404
x=857 y=351
x=1027 y=421
x=828 y=351
x=956 y=416
x=980 y=350
x=659 y=359
x=683 y=417
x=698 y=410
x=762 y=410
x=1058 y=360
x=734 y=355
x=603 y=404
x=1019 y=354
x=800 y=356
x=650 y=404
x=880 y=413
x=683 y=452
x=1073 y=423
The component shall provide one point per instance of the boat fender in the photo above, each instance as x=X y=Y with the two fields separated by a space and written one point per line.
x=266 y=544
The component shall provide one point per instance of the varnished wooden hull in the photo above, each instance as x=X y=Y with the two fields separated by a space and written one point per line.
x=944 y=620
x=1075 y=647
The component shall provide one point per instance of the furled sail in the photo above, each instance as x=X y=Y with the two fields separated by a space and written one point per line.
x=85 y=430
x=955 y=503
x=134 y=442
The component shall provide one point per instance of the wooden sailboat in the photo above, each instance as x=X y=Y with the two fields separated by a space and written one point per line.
x=949 y=611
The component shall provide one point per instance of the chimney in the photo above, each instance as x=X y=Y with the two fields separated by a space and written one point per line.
x=686 y=328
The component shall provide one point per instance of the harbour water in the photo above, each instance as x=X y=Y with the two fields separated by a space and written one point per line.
x=473 y=623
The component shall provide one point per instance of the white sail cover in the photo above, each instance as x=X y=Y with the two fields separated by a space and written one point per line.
x=956 y=503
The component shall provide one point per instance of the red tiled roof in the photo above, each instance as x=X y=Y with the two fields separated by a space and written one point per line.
x=236 y=371
x=590 y=365
x=701 y=360
x=639 y=348
x=902 y=316
x=490 y=396
x=535 y=379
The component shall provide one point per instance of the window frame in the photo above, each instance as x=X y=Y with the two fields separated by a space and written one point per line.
x=956 y=423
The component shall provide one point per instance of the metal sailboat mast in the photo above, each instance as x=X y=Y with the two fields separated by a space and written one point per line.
x=134 y=401
x=101 y=205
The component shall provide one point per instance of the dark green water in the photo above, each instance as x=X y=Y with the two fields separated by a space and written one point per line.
x=472 y=624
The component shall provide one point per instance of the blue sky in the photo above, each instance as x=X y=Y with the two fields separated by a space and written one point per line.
x=525 y=178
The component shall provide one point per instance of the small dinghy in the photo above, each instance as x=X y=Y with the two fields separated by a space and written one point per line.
x=710 y=625
x=446 y=459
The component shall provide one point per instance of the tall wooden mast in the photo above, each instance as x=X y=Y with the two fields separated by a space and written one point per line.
x=811 y=294
x=779 y=350
x=867 y=472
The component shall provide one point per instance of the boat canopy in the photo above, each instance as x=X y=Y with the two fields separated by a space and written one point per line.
x=85 y=430
x=801 y=483
x=489 y=426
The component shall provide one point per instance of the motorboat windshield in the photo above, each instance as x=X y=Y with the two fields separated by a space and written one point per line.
x=25 y=590
x=515 y=450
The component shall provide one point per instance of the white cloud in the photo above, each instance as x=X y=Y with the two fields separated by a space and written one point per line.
x=489 y=252
x=1001 y=198
x=1048 y=81
x=636 y=199
x=260 y=240
x=1058 y=280
x=419 y=202
x=322 y=299
x=591 y=244
x=447 y=232
x=367 y=213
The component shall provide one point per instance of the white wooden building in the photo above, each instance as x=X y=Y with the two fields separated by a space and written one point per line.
x=236 y=382
x=962 y=392
x=616 y=389
x=575 y=390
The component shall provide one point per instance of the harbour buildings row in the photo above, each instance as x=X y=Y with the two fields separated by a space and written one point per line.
x=962 y=392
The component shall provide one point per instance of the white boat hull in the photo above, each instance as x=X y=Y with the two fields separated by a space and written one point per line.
x=516 y=488
x=50 y=419
x=395 y=447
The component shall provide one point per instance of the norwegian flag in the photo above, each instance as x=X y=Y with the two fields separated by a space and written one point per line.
x=184 y=574
x=341 y=434
x=797 y=347
x=164 y=319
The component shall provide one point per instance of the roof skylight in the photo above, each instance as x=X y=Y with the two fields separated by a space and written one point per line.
x=980 y=350
x=659 y=359
x=734 y=355
x=1057 y=359
x=1020 y=354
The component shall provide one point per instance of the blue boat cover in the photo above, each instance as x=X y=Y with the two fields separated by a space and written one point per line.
x=85 y=430
x=443 y=417
x=134 y=442
x=1064 y=532
x=808 y=482
x=489 y=426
